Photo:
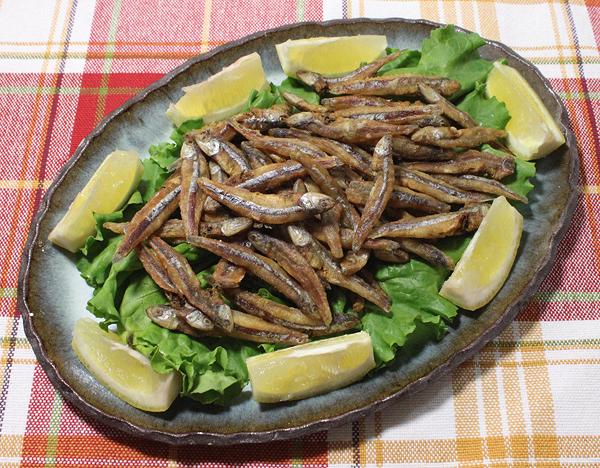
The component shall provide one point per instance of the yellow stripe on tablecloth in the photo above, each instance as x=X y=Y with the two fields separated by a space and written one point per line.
x=469 y=445
x=206 y=25
x=539 y=394
x=23 y=184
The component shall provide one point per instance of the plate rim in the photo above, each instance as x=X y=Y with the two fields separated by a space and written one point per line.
x=210 y=438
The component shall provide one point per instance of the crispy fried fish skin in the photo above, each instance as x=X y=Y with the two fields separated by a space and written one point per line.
x=436 y=188
x=330 y=227
x=391 y=256
x=256 y=157
x=330 y=187
x=154 y=268
x=272 y=176
x=320 y=83
x=191 y=200
x=469 y=162
x=447 y=108
x=272 y=311
x=395 y=114
x=220 y=129
x=227 y=275
x=231 y=159
x=287 y=147
x=292 y=261
x=407 y=149
x=430 y=253
x=347 y=130
x=251 y=328
x=481 y=184
x=181 y=274
x=449 y=137
x=173 y=228
x=263 y=119
x=117 y=228
x=150 y=217
x=299 y=103
x=268 y=177
x=434 y=226
x=341 y=323
x=353 y=262
x=394 y=85
x=370 y=244
x=347 y=154
x=345 y=102
x=262 y=267
x=380 y=194
x=331 y=271
x=267 y=208
x=402 y=198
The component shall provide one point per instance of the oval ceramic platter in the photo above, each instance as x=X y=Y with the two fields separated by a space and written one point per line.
x=52 y=295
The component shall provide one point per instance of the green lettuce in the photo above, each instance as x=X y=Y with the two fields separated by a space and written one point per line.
x=487 y=112
x=407 y=58
x=413 y=290
x=272 y=94
x=452 y=54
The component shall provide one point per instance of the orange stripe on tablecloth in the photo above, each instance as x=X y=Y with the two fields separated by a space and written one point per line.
x=468 y=15
x=24 y=184
x=206 y=24
x=429 y=10
x=11 y=445
x=489 y=20
x=513 y=400
x=492 y=414
x=539 y=395
x=340 y=452
x=378 y=445
x=469 y=444
x=449 y=9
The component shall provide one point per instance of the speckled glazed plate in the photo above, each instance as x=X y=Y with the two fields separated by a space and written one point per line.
x=52 y=295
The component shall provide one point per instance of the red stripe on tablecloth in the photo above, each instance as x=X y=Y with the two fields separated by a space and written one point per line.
x=87 y=105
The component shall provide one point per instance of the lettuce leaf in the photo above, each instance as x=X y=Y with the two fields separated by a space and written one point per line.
x=520 y=181
x=272 y=94
x=487 y=112
x=407 y=58
x=413 y=289
x=452 y=54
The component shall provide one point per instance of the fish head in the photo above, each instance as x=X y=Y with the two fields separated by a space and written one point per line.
x=316 y=202
x=299 y=236
x=233 y=226
x=163 y=316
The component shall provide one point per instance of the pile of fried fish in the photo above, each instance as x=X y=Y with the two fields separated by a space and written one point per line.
x=301 y=195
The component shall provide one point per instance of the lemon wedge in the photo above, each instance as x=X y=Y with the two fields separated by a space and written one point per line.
x=486 y=263
x=124 y=371
x=329 y=56
x=310 y=369
x=109 y=188
x=532 y=132
x=223 y=94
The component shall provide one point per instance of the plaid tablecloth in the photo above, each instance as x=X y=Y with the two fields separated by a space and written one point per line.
x=530 y=397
